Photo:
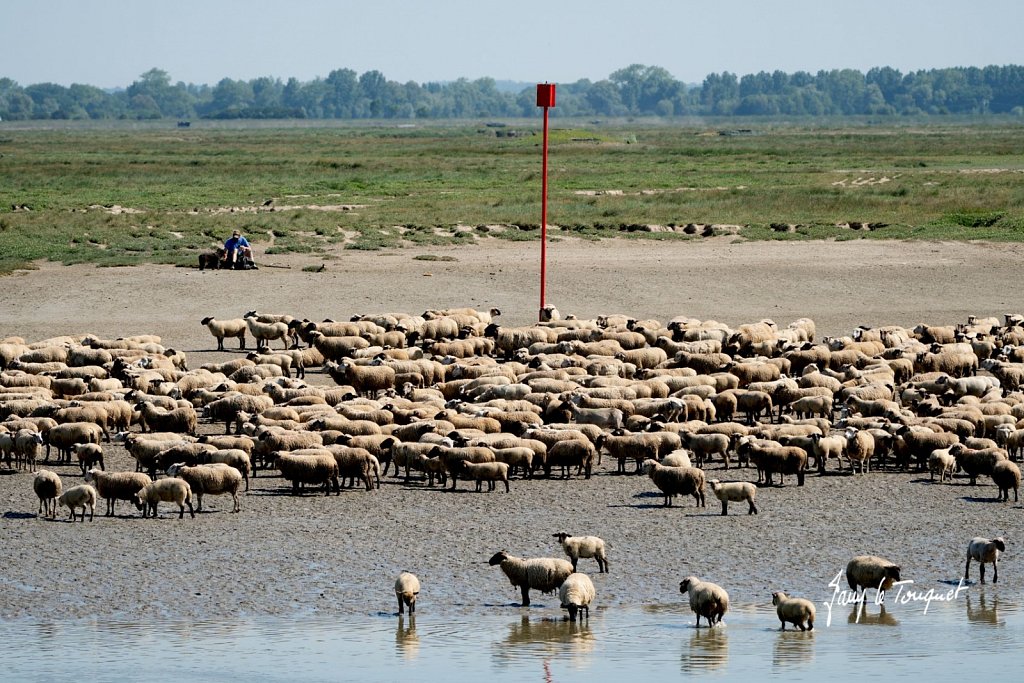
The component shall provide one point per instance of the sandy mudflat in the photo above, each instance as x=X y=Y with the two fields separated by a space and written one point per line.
x=286 y=555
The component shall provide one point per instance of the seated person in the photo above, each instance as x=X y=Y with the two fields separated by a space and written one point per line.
x=237 y=248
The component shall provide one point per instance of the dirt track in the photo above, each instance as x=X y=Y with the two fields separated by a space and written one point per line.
x=284 y=555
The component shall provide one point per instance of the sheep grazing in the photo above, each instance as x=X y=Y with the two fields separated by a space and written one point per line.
x=868 y=571
x=214 y=479
x=115 y=486
x=545 y=574
x=735 y=491
x=674 y=481
x=169 y=490
x=984 y=551
x=48 y=487
x=226 y=328
x=81 y=496
x=407 y=587
x=1006 y=476
x=796 y=611
x=575 y=594
x=584 y=546
x=707 y=599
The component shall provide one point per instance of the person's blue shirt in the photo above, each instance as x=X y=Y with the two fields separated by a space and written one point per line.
x=233 y=243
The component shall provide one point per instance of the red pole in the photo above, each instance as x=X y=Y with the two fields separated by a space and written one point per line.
x=546 y=99
x=544 y=218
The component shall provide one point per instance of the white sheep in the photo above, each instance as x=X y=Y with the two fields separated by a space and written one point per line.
x=226 y=328
x=168 y=490
x=984 y=551
x=264 y=333
x=575 y=594
x=735 y=491
x=28 y=444
x=869 y=571
x=545 y=574
x=47 y=487
x=81 y=496
x=941 y=461
x=214 y=479
x=407 y=587
x=677 y=458
x=797 y=611
x=707 y=599
x=584 y=546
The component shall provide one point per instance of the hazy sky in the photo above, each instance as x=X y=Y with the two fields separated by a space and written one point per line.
x=108 y=43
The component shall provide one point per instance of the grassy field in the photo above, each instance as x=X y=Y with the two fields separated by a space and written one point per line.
x=157 y=193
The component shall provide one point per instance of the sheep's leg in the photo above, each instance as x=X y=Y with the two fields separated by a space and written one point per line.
x=725 y=507
x=401 y=605
x=526 y=595
x=783 y=625
x=995 y=571
x=982 y=572
x=753 y=508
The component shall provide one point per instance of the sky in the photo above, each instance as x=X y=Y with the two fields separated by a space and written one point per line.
x=109 y=43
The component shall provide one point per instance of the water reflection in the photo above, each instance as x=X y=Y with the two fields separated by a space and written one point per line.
x=557 y=636
x=982 y=610
x=860 y=614
x=793 y=648
x=708 y=650
x=407 y=643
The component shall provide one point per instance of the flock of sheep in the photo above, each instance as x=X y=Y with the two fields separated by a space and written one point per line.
x=451 y=394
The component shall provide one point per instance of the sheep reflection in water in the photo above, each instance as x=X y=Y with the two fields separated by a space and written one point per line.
x=708 y=650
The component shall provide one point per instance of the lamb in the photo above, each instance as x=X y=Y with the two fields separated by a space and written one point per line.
x=984 y=551
x=825 y=447
x=226 y=328
x=673 y=481
x=214 y=479
x=168 y=490
x=707 y=599
x=584 y=546
x=81 y=496
x=89 y=454
x=545 y=574
x=490 y=472
x=941 y=461
x=869 y=571
x=264 y=332
x=1006 y=476
x=734 y=491
x=48 y=487
x=407 y=587
x=517 y=456
x=115 y=486
x=320 y=469
x=797 y=611
x=575 y=594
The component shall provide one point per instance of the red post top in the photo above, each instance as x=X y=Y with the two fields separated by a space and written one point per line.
x=545 y=94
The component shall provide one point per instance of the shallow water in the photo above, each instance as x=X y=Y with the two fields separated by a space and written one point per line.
x=509 y=643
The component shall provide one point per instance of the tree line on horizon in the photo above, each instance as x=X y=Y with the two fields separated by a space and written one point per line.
x=636 y=90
